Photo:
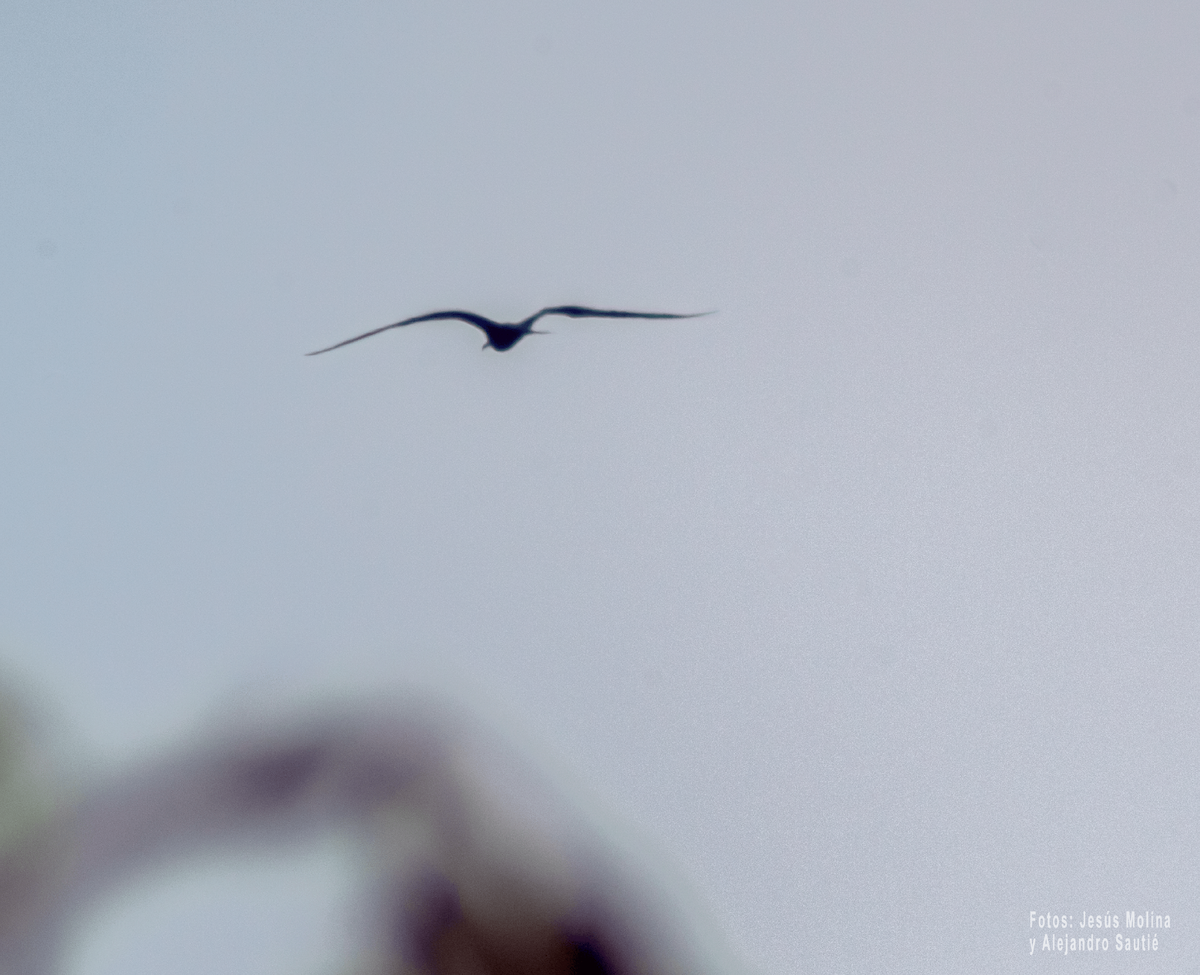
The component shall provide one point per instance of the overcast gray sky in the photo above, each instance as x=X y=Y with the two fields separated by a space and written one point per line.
x=871 y=601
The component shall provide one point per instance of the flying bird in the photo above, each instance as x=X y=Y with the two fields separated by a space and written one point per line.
x=502 y=336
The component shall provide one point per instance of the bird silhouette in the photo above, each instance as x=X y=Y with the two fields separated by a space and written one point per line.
x=502 y=336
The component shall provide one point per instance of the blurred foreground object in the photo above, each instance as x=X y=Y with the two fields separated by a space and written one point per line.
x=473 y=866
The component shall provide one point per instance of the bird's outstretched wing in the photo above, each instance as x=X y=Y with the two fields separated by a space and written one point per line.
x=578 y=311
x=464 y=316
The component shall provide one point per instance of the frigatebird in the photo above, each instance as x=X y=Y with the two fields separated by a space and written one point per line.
x=502 y=336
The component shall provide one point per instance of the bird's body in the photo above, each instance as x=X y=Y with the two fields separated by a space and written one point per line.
x=502 y=336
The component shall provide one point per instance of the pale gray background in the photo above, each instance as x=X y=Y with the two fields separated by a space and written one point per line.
x=871 y=601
